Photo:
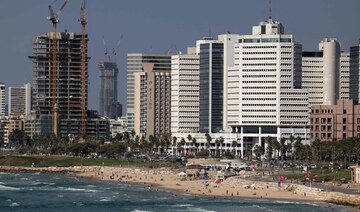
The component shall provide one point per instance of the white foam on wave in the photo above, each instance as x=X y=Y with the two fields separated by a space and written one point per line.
x=193 y=209
x=182 y=205
x=297 y=203
x=8 y=188
x=263 y=208
x=136 y=210
x=14 y=204
x=105 y=199
x=76 y=189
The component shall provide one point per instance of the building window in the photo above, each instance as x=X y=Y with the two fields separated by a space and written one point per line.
x=344 y=112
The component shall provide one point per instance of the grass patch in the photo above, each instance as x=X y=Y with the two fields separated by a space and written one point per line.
x=67 y=161
x=326 y=175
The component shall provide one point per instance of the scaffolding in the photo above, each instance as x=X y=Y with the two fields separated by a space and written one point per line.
x=66 y=90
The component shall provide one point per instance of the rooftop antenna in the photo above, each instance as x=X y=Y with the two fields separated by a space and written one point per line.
x=270 y=9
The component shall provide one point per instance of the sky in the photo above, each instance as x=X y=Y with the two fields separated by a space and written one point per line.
x=162 y=26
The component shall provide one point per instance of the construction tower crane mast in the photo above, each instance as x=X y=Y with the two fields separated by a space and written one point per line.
x=83 y=68
x=54 y=18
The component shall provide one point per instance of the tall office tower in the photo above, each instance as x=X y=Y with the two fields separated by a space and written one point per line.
x=320 y=73
x=108 y=88
x=66 y=84
x=162 y=62
x=211 y=85
x=229 y=41
x=355 y=73
x=264 y=98
x=344 y=75
x=152 y=101
x=20 y=101
x=185 y=93
x=2 y=99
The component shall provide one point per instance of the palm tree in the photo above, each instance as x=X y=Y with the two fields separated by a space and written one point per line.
x=259 y=151
x=194 y=143
x=221 y=140
x=269 y=149
x=208 y=142
x=276 y=145
x=217 y=142
x=189 y=139
x=174 y=139
x=283 y=147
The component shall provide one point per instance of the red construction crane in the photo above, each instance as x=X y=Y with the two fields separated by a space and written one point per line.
x=54 y=18
x=83 y=67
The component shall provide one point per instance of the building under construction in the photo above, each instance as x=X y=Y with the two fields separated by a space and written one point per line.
x=62 y=88
x=108 y=103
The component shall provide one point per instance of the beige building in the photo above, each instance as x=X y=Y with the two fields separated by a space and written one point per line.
x=355 y=174
x=152 y=102
x=335 y=122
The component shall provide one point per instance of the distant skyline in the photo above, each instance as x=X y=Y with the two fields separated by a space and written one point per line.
x=161 y=26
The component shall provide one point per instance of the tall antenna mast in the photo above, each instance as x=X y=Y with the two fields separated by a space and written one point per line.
x=269 y=9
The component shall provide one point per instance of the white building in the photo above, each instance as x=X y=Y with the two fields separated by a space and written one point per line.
x=264 y=95
x=2 y=99
x=20 y=100
x=325 y=73
x=344 y=75
x=117 y=126
x=185 y=93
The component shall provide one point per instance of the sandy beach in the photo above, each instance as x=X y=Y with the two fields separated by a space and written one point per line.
x=169 y=179
x=234 y=187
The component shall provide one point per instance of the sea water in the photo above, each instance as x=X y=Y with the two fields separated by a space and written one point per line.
x=60 y=192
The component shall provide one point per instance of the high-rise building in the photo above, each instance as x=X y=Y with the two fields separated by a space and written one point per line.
x=355 y=73
x=66 y=85
x=108 y=88
x=264 y=95
x=20 y=101
x=185 y=93
x=2 y=99
x=325 y=73
x=162 y=62
x=344 y=75
x=152 y=101
x=211 y=85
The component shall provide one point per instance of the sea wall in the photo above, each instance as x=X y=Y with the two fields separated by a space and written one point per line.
x=328 y=196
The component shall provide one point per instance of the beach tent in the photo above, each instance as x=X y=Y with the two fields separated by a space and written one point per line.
x=182 y=174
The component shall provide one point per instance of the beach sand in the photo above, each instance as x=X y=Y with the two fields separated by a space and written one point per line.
x=233 y=187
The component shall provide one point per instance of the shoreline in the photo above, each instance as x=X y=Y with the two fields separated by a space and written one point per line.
x=232 y=188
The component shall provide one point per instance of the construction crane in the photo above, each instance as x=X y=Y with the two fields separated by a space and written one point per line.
x=83 y=67
x=54 y=18
x=115 y=49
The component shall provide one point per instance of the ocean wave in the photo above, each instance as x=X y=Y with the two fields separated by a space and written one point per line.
x=8 y=188
x=105 y=199
x=193 y=209
x=76 y=189
x=182 y=205
x=263 y=208
x=136 y=210
x=14 y=204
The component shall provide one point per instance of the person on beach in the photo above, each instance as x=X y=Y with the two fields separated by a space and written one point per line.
x=149 y=188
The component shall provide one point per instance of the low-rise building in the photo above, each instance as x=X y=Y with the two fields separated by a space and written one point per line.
x=335 y=122
x=355 y=174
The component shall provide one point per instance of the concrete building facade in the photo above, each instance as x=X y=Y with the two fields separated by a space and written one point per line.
x=152 y=101
x=162 y=62
x=321 y=73
x=185 y=93
x=108 y=89
x=264 y=95
x=68 y=87
x=20 y=101
x=2 y=100
x=335 y=122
